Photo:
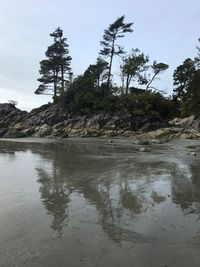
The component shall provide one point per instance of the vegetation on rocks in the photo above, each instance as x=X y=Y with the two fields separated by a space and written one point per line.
x=96 y=89
x=99 y=90
x=95 y=103
x=187 y=86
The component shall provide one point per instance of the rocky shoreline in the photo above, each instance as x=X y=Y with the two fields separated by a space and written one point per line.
x=51 y=121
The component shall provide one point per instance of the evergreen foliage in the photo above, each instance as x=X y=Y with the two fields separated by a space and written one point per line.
x=187 y=86
x=55 y=69
x=132 y=67
x=116 y=30
x=94 y=91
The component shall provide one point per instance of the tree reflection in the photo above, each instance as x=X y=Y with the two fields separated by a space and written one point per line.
x=55 y=198
x=186 y=189
x=103 y=181
x=121 y=189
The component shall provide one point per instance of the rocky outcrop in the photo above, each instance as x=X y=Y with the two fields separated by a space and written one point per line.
x=53 y=121
x=190 y=123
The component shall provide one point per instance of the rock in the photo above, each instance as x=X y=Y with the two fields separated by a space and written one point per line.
x=27 y=132
x=163 y=133
x=145 y=143
x=44 y=130
x=64 y=135
x=185 y=136
x=12 y=133
x=18 y=126
x=143 y=149
x=188 y=123
x=52 y=120
x=193 y=153
x=141 y=142
x=159 y=141
x=3 y=131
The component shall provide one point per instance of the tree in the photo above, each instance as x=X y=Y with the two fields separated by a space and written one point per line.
x=157 y=69
x=115 y=30
x=182 y=78
x=55 y=67
x=97 y=72
x=192 y=103
x=132 y=67
x=197 y=58
x=187 y=90
x=13 y=102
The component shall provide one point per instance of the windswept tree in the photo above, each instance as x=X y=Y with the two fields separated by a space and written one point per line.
x=13 y=102
x=55 y=69
x=98 y=72
x=157 y=68
x=132 y=67
x=116 y=30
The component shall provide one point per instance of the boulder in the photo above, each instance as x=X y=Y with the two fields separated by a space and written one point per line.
x=12 y=133
x=44 y=130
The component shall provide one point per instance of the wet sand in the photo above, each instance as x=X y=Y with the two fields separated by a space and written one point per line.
x=90 y=202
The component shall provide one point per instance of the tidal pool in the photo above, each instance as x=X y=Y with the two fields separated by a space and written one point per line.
x=88 y=202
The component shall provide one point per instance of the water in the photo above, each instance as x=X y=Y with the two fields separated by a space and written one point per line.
x=94 y=203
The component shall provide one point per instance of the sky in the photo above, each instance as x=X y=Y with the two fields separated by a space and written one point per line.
x=167 y=31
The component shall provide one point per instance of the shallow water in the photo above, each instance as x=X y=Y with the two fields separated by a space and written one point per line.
x=94 y=203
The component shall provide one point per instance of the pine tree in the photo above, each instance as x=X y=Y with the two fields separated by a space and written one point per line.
x=97 y=72
x=55 y=69
x=132 y=67
x=157 y=69
x=116 y=30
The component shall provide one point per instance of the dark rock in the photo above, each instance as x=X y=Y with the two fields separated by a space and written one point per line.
x=12 y=133
x=52 y=120
x=145 y=142
x=3 y=131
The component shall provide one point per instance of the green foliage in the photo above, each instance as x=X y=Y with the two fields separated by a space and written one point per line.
x=110 y=49
x=187 y=90
x=182 y=78
x=157 y=68
x=145 y=103
x=93 y=91
x=197 y=58
x=84 y=98
x=97 y=72
x=132 y=67
x=54 y=68
x=191 y=102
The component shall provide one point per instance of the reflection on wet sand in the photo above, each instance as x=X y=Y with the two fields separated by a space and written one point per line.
x=119 y=191
x=135 y=198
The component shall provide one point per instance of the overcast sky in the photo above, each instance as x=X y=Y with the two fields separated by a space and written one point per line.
x=167 y=31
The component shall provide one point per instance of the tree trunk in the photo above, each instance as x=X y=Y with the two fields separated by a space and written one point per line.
x=62 y=78
x=55 y=85
x=147 y=87
x=128 y=80
x=110 y=64
x=98 y=83
x=127 y=84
